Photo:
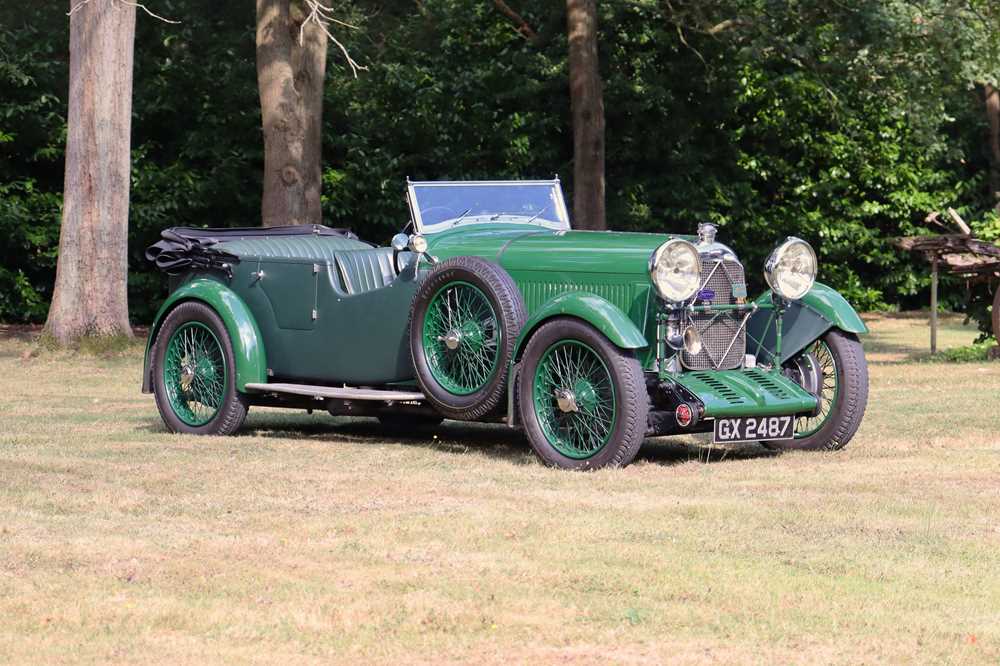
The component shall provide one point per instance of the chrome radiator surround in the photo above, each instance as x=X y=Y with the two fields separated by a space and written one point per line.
x=723 y=333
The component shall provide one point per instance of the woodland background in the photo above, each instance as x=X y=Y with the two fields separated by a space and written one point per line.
x=845 y=123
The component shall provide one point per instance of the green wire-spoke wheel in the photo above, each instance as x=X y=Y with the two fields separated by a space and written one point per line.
x=193 y=368
x=464 y=321
x=834 y=368
x=195 y=373
x=828 y=389
x=461 y=338
x=574 y=399
x=582 y=400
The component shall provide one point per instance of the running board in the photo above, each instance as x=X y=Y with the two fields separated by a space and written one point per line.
x=337 y=393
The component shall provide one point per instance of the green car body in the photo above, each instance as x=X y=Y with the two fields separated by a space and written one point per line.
x=329 y=310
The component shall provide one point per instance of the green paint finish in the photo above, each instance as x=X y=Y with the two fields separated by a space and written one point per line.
x=304 y=248
x=195 y=373
x=525 y=247
x=591 y=308
x=359 y=338
x=802 y=323
x=290 y=287
x=835 y=308
x=750 y=392
x=574 y=399
x=462 y=338
x=241 y=324
x=601 y=277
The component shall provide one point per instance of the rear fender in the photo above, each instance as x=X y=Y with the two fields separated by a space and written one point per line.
x=804 y=321
x=248 y=345
x=591 y=308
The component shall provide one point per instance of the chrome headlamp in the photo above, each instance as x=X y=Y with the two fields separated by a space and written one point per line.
x=791 y=269
x=675 y=269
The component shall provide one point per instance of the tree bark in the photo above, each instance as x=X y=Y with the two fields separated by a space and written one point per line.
x=91 y=294
x=993 y=118
x=290 y=79
x=587 y=105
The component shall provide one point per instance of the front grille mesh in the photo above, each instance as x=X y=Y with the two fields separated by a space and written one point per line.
x=718 y=329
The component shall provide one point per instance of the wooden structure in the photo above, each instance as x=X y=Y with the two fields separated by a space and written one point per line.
x=959 y=254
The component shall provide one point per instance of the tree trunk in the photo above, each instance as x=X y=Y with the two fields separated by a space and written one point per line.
x=587 y=104
x=290 y=78
x=993 y=117
x=91 y=295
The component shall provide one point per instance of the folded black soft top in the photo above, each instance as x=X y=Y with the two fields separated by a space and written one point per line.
x=256 y=232
x=187 y=248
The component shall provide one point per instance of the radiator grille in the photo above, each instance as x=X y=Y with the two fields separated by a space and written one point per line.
x=718 y=329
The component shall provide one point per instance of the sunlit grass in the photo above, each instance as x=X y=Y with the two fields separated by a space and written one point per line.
x=310 y=539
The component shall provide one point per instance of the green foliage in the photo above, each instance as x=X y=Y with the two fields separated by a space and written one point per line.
x=842 y=123
x=974 y=353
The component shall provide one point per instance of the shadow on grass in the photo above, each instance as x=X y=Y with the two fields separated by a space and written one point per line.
x=490 y=440
x=676 y=451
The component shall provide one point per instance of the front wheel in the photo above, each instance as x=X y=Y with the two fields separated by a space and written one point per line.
x=194 y=378
x=835 y=368
x=582 y=400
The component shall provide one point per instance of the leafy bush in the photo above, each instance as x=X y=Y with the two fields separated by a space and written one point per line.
x=974 y=353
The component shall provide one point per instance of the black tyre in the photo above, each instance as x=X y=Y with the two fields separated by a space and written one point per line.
x=404 y=421
x=843 y=392
x=464 y=321
x=582 y=400
x=194 y=378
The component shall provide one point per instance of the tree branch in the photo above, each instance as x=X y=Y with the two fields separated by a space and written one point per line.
x=75 y=8
x=522 y=26
x=323 y=16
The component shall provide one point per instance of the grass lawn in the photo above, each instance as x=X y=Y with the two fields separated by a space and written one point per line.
x=312 y=539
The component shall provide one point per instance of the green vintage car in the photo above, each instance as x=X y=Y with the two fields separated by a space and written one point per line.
x=489 y=307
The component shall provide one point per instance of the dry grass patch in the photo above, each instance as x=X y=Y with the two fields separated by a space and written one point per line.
x=309 y=539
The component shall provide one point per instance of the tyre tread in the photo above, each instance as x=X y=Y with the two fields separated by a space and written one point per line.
x=236 y=405
x=635 y=399
x=511 y=304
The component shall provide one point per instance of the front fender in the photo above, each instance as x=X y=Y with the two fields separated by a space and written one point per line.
x=804 y=321
x=248 y=345
x=591 y=308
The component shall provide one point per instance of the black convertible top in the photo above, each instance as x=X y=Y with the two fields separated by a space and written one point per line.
x=257 y=232
x=184 y=248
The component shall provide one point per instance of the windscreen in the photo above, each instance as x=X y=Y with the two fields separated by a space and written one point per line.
x=440 y=206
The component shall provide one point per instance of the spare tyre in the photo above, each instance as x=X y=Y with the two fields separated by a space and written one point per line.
x=464 y=321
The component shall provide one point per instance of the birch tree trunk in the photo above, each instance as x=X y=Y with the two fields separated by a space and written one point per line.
x=91 y=295
x=290 y=79
x=587 y=105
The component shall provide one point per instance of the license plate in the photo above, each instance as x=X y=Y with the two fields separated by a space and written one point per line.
x=754 y=429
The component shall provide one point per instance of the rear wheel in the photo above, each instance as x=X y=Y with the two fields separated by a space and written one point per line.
x=194 y=380
x=582 y=400
x=841 y=382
